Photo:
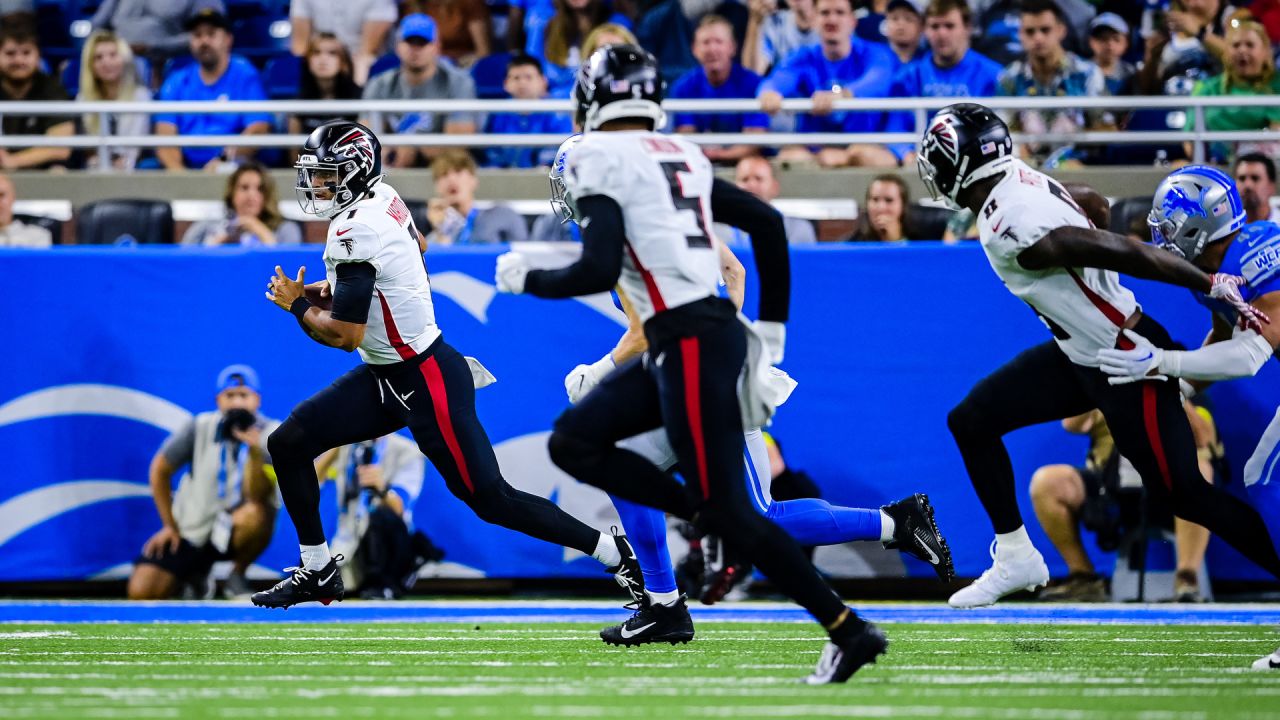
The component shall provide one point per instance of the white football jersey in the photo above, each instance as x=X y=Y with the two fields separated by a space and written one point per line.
x=663 y=185
x=378 y=230
x=1084 y=308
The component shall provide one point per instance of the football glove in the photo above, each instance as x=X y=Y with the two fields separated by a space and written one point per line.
x=1227 y=288
x=582 y=379
x=774 y=335
x=511 y=272
x=1126 y=366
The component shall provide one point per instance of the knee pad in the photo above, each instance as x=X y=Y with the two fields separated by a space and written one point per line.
x=570 y=452
x=290 y=441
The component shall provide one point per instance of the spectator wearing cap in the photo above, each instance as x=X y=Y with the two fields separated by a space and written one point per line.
x=216 y=74
x=153 y=28
x=718 y=77
x=1255 y=176
x=1109 y=41
x=755 y=175
x=774 y=33
x=1049 y=70
x=951 y=68
x=455 y=219
x=840 y=66
x=21 y=80
x=14 y=232
x=421 y=76
x=525 y=81
x=361 y=25
x=904 y=28
x=226 y=502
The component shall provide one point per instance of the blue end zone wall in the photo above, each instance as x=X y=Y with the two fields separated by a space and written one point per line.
x=883 y=340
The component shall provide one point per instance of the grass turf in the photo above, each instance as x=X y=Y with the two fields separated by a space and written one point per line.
x=562 y=670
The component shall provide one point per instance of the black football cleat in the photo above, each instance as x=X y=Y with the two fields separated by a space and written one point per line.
x=653 y=623
x=322 y=586
x=916 y=534
x=844 y=657
x=627 y=573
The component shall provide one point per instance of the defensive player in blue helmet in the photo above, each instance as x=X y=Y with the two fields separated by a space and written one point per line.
x=661 y=615
x=1197 y=213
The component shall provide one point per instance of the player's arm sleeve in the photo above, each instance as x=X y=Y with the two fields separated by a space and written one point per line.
x=741 y=209
x=353 y=291
x=598 y=268
x=1241 y=356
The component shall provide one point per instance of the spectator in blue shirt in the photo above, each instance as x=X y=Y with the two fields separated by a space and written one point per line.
x=566 y=31
x=525 y=81
x=718 y=76
x=666 y=30
x=840 y=66
x=215 y=75
x=951 y=69
x=903 y=26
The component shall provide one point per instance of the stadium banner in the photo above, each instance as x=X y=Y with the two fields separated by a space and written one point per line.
x=113 y=348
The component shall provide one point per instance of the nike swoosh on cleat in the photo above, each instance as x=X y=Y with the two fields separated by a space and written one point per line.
x=933 y=557
x=326 y=580
x=628 y=634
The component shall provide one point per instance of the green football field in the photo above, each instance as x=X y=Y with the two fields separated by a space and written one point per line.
x=561 y=670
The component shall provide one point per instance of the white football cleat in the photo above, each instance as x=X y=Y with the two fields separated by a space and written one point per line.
x=1270 y=662
x=1005 y=576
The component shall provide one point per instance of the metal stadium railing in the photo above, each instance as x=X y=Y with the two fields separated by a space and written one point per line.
x=920 y=108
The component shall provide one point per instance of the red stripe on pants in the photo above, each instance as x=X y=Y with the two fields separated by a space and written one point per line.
x=693 y=406
x=1152 y=423
x=440 y=402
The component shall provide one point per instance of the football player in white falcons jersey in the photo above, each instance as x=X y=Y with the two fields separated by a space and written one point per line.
x=645 y=201
x=1048 y=254
x=907 y=524
x=381 y=306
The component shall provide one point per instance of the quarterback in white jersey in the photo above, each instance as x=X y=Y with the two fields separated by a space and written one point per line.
x=644 y=199
x=1045 y=250
x=381 y=305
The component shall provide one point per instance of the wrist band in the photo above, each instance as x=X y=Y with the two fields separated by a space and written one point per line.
x=299 y=308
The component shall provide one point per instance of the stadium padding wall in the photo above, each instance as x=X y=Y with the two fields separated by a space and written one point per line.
x=883 y=341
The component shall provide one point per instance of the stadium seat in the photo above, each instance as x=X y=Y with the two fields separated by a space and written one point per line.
x=926 y=222
x=109 y=222
x=282 y=77
x=1124 y=210
x=54 y=226
x=489 y=73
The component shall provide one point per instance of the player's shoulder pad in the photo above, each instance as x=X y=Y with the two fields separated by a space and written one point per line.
x=350 y=239
x=593 y=167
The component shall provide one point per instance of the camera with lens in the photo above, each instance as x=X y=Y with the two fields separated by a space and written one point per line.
x=237 y=419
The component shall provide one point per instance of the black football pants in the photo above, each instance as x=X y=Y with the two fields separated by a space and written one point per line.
x=1146 y=419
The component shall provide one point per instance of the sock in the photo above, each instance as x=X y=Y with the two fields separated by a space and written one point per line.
x=887 y=526
x=668 y=598
x=647 y=532
x=607 y=551
x=1014 y=544
x=816 y=522
x=315 y=557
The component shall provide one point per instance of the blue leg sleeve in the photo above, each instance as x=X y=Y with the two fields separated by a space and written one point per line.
x=646 y=530
x=817 y=522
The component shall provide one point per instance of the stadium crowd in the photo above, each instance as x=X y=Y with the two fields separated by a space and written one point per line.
x=189 y=50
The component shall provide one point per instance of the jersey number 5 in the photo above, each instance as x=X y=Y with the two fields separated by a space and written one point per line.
x=673 y=168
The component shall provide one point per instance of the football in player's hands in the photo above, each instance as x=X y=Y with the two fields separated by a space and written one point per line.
x=318 y=294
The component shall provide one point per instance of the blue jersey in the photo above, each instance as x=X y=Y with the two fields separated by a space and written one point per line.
x=239 y=82
x=867 y=72
x=511 y=156
x=974 y=76
x=694 y=85
x=1255 y=256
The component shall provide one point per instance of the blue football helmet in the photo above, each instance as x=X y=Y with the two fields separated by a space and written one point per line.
x=562 y=202
x=1192 y=207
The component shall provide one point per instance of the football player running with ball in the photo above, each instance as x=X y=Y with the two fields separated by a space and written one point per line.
x=1197 y=214
x=645 y=199
x=381 y=306
x=1046 y=251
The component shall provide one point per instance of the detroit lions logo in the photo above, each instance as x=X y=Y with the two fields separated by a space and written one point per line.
x=1177 y=200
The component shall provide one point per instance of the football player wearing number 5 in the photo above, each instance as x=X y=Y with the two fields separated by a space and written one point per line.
x=644 y=199
x=1048 y=254
x=381 y=305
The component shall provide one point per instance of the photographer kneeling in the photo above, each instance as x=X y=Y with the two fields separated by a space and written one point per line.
x=378 y=482
x=225 y=506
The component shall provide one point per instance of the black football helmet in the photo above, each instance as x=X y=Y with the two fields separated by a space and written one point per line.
x=339 y=164
x=619 y=81
x=962 y=144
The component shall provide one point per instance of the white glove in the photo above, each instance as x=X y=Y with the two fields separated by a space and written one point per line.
x=1126 y=366
x=1227 y=288
x=774 y=335
x=582 y=379
x=512 y=270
